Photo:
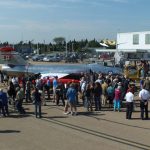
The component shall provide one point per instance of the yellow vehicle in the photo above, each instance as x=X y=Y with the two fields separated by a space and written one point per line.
x=132 y=72
x=136 y=69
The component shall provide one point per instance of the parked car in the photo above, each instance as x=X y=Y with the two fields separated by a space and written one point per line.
x=52 y=59
x=71 y=58
x=47 y=58
x=104 y=56
x=38 y=57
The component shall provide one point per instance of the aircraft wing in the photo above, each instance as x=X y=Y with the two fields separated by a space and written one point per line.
x=59 y=68
x=105 y=69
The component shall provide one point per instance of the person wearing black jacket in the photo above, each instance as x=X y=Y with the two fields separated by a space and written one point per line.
x=60 y=93
x=88 y=96
x=11 y=93
x=97 y=96
x=37 y=100
x=125 y=86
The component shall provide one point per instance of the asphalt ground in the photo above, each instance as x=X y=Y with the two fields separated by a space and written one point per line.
x=101 y=130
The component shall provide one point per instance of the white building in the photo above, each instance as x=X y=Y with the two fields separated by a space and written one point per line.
x=131 y=46
x=134 y=40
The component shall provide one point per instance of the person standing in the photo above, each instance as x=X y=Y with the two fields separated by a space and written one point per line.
x=60 y=94
x=129 y=104
x=28 y=91
x=47 y=87
x=97 y=92
x=19 y=100
x=117 y=98
x=125 y=86
x=88 y=97
x=146 y=84
x=1 y=103
x=55 y=84
x=104 y=86
x=71 y=100
x=11 y=93
x=110 y=93
x=3 y=95
x=144 y=96
x=37 y=100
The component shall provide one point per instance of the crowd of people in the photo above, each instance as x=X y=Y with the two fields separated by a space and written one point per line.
x=93 y=92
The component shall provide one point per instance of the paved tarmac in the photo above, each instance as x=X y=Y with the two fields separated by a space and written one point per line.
x=104 y=130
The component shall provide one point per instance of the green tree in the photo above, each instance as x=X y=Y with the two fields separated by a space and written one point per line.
x=93 y=43
x=59 y=40
x=59 y=43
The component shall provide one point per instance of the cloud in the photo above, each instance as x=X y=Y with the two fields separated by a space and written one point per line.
x=39 y=4
x=93 y=1
x=8 y=27
x=72 y=1
x=84 y=1
x=22 y=4
x=120 y=1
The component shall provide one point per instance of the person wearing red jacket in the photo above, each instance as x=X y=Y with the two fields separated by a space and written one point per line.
x=117 y=98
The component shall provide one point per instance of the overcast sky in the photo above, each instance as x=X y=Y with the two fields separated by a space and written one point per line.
x=41 y=20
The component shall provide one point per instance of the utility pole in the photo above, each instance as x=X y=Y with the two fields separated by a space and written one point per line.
x=72 y=47
x=66 y=49
x=38 y=48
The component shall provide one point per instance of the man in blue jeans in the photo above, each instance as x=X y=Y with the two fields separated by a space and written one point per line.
x=3 y=103
x=37 y=100
x=2 y=107
x=71 y=100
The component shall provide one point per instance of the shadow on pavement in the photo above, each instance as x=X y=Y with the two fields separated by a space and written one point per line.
x=9 y=131
x=53 y=117
x=18 y=115
x=140 y=119
x=89 y=113
x=135 y=118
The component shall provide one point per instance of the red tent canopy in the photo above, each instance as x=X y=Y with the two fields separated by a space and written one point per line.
x=6 y=49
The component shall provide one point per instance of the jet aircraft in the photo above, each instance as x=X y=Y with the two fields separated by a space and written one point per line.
x=13 y=64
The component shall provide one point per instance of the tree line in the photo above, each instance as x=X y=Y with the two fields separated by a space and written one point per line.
x=59 y=44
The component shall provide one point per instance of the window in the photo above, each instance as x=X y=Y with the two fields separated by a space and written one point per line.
x=135 y=39
x=147 y=38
